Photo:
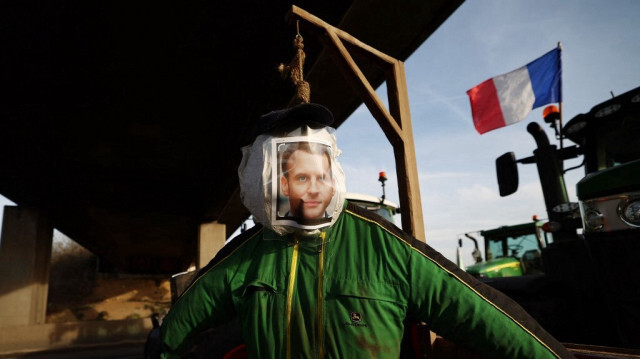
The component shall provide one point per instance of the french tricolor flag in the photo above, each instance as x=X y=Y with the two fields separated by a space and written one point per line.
x=508 y=98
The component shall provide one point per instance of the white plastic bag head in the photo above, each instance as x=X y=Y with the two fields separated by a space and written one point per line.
x=293 y=182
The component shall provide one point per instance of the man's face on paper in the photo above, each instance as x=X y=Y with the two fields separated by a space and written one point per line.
x=308 y=184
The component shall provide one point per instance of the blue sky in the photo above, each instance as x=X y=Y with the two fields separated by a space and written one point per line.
x=482 y=39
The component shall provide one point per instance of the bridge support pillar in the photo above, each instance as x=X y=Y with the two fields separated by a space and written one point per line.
x=211 y=239
x=25 y=258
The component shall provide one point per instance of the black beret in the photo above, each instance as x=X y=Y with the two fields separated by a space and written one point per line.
x=311 y=114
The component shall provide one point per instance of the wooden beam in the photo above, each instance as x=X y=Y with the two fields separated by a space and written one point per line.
x=318 y=23
x=363 y=88
x=406 y=164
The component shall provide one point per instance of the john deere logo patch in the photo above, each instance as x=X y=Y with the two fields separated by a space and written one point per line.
x=356 y=317
x=356 y=321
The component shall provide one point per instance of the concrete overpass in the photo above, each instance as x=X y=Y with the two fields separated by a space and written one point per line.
x=121 y=123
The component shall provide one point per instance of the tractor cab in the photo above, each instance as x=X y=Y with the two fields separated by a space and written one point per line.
x=383 y=207
x=510 y=251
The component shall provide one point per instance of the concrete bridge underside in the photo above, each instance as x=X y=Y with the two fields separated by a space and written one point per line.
x=122 y=123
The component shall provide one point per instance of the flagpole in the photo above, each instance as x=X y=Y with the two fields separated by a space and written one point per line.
x=560 y=103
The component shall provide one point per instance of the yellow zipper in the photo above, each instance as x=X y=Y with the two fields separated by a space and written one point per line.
x=320 y=338
x=292 y=281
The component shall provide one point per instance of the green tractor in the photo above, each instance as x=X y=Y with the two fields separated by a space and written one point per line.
x=588 y=290
x=383 y=207
x=510 y=251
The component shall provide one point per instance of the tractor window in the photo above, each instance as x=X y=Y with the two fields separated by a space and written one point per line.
x=515 y=246
x=524 y=248
x=386 y=213
x=527 y=249
x=520 y=244
x=621 y=143
x=382 y=210
x=495 y=249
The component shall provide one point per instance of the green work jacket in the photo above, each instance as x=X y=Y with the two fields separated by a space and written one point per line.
x=347 y=293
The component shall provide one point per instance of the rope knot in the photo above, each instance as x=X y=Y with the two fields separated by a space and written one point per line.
x=295 y=71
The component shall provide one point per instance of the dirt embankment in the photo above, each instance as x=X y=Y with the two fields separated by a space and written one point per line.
x=77 y=292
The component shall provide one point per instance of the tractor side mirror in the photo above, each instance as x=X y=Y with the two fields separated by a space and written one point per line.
x=507 y=171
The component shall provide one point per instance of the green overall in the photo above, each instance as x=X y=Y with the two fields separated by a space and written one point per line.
x=347 y=293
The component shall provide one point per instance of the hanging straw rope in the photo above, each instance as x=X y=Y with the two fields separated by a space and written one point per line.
x=294 y=71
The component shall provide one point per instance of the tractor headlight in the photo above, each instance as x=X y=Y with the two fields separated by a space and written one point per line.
x=611 y=213
x=593 y=219
x=629 y=211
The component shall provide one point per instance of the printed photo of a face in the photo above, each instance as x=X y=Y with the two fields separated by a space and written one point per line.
x=306 y=184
